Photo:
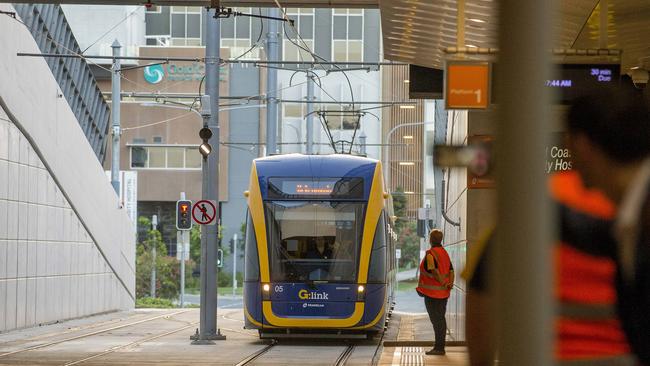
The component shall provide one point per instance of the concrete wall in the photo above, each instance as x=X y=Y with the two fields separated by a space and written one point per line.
x=456 y=209
x=66 y=249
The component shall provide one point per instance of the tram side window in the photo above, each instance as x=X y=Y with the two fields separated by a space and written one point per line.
x=377 y=271
x=252 y=264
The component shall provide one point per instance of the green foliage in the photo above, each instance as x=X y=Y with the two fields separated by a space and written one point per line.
x=399 y=207
x=195 y=244
x=408 y=239
x=167 y=268
x=148 y=302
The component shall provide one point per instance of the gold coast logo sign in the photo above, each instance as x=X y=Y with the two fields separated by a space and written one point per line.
x=313 y=295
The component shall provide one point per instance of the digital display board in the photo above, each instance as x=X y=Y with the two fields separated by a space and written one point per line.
x=571 y=81
x=425 y=82
x=299 y=188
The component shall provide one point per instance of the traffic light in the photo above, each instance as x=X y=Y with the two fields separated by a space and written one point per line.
x=183 y=215
x=219 y=258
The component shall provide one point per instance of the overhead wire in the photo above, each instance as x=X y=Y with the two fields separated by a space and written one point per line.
x=158 y=122
x=316 y=57
x=112 y=28
x=255 y=45
x=81 y=56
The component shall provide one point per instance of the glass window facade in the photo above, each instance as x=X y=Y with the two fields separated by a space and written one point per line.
x=341 y=118
x=165 y=157
x=237 y=32
x=174 y=26
x=304 y=22
x=347 y=35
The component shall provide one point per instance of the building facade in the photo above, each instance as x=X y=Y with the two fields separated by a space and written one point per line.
x=164 y=154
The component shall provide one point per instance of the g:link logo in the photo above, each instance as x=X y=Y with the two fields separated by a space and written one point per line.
x=306 y=295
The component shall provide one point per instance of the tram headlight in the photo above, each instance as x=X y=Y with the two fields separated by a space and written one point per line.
x=361 y=293
x=266 y=291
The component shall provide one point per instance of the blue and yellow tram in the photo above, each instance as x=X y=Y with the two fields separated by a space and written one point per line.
x=320 y=255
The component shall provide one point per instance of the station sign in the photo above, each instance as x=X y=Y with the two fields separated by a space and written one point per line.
x=467 y=85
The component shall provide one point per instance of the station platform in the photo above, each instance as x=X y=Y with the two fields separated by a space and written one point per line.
x=161 y=337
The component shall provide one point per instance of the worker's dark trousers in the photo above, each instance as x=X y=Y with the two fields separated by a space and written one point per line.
x=436 y=309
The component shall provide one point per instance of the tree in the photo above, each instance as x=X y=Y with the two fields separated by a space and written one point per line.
x=167 y=269
x=399 y=207
x=407 y=237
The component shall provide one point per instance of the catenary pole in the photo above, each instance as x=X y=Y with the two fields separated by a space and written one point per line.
x=234 y=264
x=115 y=117
x=208 y=330
x=522 y=261
x=272 y=83
x=310 y=114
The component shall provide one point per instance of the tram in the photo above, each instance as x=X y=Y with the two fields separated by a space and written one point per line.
x=319 y=255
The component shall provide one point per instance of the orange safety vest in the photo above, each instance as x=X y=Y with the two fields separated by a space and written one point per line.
x=434 y=284
x=588 y=330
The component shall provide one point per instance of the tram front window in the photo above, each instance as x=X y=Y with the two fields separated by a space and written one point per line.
x=314 y=241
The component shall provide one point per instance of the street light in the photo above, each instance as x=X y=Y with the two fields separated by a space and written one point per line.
x=387 y=173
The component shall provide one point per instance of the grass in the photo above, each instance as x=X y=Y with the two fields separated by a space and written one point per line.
x=148 y=302
x=220 y=291
x=407 y=285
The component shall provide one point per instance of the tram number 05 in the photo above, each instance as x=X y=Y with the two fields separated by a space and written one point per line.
x=278 y=288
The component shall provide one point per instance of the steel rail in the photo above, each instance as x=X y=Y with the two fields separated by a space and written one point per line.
x=252 y=357
x=343 y=357
x=66 y=331
x=53 y=343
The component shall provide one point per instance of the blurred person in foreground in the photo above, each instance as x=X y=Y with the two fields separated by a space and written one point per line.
x=610 y=141
x=586 y=328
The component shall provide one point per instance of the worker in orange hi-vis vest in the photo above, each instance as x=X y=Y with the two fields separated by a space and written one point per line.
x=435 y=284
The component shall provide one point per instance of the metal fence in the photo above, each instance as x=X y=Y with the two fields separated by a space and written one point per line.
x=52 y=33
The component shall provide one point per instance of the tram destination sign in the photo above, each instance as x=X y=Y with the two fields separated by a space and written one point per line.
x=341 y=188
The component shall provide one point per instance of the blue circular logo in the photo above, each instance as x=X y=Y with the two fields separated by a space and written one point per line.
x=154 y=74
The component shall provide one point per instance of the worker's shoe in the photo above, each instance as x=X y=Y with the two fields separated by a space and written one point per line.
x=435 y=352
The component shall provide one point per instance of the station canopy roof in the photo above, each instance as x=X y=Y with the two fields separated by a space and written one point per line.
x=418 y=31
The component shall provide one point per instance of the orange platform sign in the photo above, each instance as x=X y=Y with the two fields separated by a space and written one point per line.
x=467 y=85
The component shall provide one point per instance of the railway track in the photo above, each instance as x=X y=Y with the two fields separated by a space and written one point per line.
x=252 y=357
x=341 y=360
x=134 y=343
x=68 y=339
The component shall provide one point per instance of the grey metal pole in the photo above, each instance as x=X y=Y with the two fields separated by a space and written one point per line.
x=180 y=239
x=115 y=116
x=234 y=264
x=154 y=223
x=209 y=233
x=310 y=115
x=362 y=143
x=272 y=54
x=522 y=274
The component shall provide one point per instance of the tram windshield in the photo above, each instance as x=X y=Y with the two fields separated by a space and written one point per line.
x=314 y=240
